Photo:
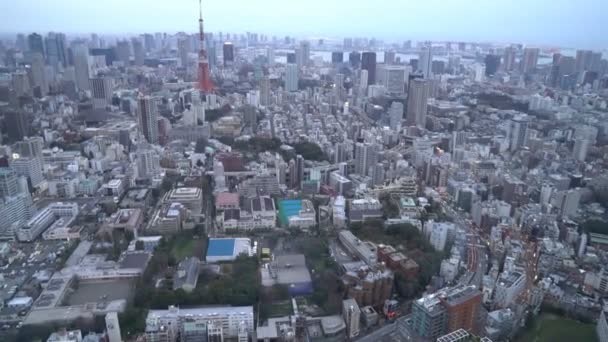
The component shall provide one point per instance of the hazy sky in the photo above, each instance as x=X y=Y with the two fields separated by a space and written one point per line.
x=573 y=23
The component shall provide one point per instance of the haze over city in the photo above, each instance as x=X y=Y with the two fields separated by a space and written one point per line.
x=566 y=23
x=303 y=171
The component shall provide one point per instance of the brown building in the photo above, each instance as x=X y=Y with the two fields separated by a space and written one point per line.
x=369 y=285
x=462 y=305
x=397 y=261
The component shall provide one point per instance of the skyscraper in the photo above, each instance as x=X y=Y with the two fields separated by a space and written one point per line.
x=518 y=133
x=389 y=57
x=56 y=49
x=492 y=63
x=81 y=66
x=425 y=61
x=392 y=77
x=17 y=125
x=265 y=91
x=147 y=113
x=139 y=54
x=417 y=97
x=101 y=88
x=123 y=51
x=509 y=58
x=368 y=62
x=38 y=75
x=183 y=48
x=366 y=156
x=228 y=49
x=35 y=44
x=354 y=58
x=396 y=115
x=304 y=58
x=337 y=57
x=291 y=77
x=529 y=60
x=8 y=182
x=583 y=60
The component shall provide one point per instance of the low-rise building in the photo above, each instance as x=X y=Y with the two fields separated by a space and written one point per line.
x=56 y=216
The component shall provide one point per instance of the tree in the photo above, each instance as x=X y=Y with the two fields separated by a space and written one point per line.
x=310 y=151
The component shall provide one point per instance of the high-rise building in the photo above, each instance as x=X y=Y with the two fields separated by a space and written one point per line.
x=509 y=58
x=30 y=167
x=337 y=57
x=529 y=60
x=303 y=57
x=113 y=327
x=352 y=317
x=368 y=62
x=21 y=83
x=123 y=51
x=265 y=91
x=139 y=54
x=518 y=133
x=17 y=125
x=396 y=115
x=389 y=57
x=38 y=75
x=354 y=58
x=417 y=98
x=183 y=48
x=228 y=50
x=30 y=147
x=392 y=77
x=56 y=53
x=101 y=88
x=581 y=147
x=35 y=44
x=81 y=66
x=291 y=77
x=363 y=80
x=492 y=63
x=8 y=182
x=366 y=156
x=147 y=113
x=425 y=61
x=583 y=60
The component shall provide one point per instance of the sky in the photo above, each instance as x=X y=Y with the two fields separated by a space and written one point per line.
x=565 y=23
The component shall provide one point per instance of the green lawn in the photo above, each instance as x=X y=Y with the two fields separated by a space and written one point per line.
x=185 y=246
x=552 y=328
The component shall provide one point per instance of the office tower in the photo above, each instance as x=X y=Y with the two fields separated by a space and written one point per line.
x=304 y=54
x=20 y=83
x=113 y=327
x=396 y=115
x=352 y=317
x=56 y=53
x=509 y=58
x=291 y=58
x=183 y=48
x=518 y=133
x=38 y=75
x=492 y=63
x=123 y=51
x=437 y=67
x=228 y=49
x=417 y=97
x=583 y=60
x=368 y=62
x=270 y=57
x=35 y=44
x=429 y=317
x=149 y=43
x=337 y=57
x=479 y=72
x=389 y=57
x=139 y=55
x=17 y=125
x=425 y=61
x=30 y=167
x=8 y=182
x=291 y=77
x=348 y=43
x=339 y=87
x=366 y=156
x=354 y=58
x=265 y=91
x=462 y=306
x=581 y=147
x=529 y=59
x=363 y=78
x=147 y=114
x=101 y=88
x=81 y=66
x=30 y=147
x=299 y=171
x=392 y=77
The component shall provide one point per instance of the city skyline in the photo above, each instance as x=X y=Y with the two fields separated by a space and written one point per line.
x=561 y=24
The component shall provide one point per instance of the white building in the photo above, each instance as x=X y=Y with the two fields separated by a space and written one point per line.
x=55 y=215
x=291 y=77
x=352 y=317
x=438 y=234
x=396 y=115
x=113 y=327
x=164 y=325
x=509 y=286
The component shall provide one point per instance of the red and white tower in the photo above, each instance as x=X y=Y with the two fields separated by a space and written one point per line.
x=204 y=77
